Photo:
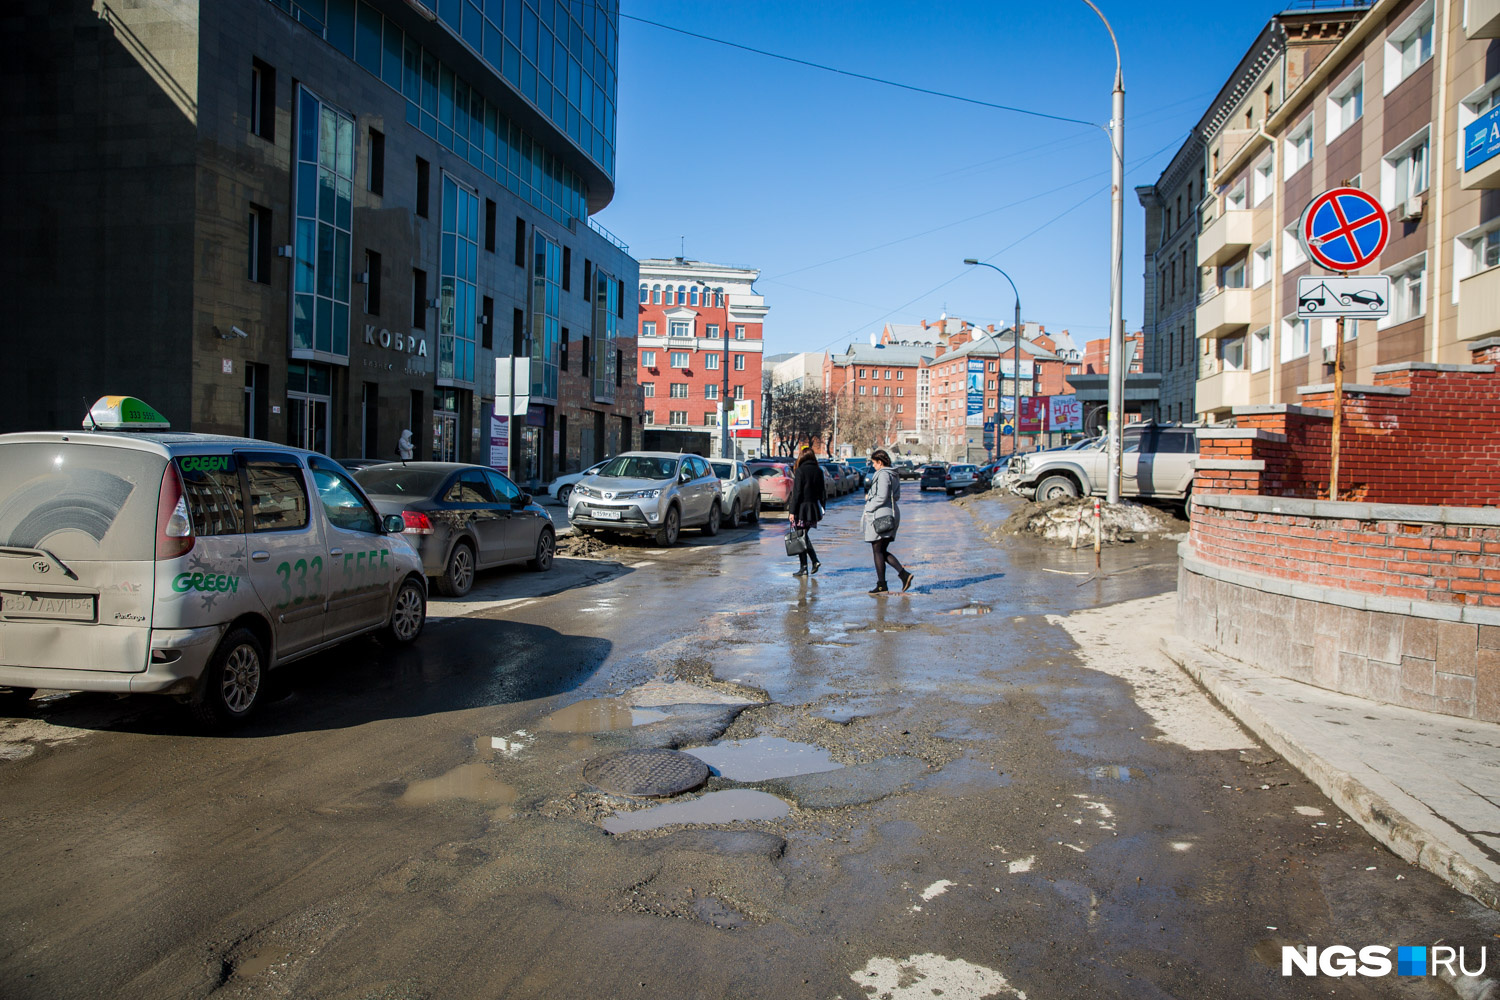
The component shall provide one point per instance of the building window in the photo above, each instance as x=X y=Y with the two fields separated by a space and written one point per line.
x=1346 y=104
x=1235 y=200
x=424 y=178
x=711 y=362
x=259 y=248
x=418 y=299
x=677 y=418
x=645 y=295
x=682 y=295
x=712 y=331
x=546 y=325
x=1263 y=179
x=739 y=362
x=648 y=359
x=372 y=283
x=458 y=288
x=656 y=295
x=324 y=205
x=899 y=407
x=739 y=332
x=567 y=269
x=693 y=296
x=900 y=374
x=739 y=392
x=1475 y=251
x=1232 y=353
x=604 y=350
x=1296 y=335
x=1260 y=265
x=1292 y=254
x=375 y=172
x=520 y=242
x=679 y=359
x=861 y=373
x=1408 y=279
x=1233 y=275
x=649 y=389
x=648 y=329
x=678 y=390
x=1299 y=146
x=711 y=390
x=862 y=390
x=487 y=324
x=679 y=328
x=491 y=224
x=1404 y=174
x=711 y=419
x=1409 y=47
x=563 y=351
x=262 y=100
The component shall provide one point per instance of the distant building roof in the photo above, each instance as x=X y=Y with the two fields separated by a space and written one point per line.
x=986 y=347
x=883 y=354
x=774 y=358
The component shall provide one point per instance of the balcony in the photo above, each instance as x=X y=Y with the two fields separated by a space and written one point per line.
x=1221 y=390
x=1483 y=19
x=1226 y=237
x=1479 y=304
x=1223 y=312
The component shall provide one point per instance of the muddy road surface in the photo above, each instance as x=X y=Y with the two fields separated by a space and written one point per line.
x=992 y=786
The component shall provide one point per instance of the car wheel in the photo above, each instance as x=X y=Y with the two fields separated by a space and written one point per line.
x=16 y=701
x=1056 y=488
x=458 y=578
x=666 y=535
x=715 y=518
x=546 y=547
x=409 y=613
x=230 y=688
x=563 y=492
x=734 y=513
x=755 y=512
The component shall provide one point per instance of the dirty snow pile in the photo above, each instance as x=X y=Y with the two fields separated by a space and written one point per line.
x=1056 y=520
x=580 y=546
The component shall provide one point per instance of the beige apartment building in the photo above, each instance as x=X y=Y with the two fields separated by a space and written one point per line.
x=1376 y=96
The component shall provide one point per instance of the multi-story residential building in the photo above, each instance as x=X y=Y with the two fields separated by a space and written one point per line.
x=1096 y=355
x=954 y=435
x=880 y=379
x=1385 y=97
x=321 y=221
x=701 y=328
x=1171 y=294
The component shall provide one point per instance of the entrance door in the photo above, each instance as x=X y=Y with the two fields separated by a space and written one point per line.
x=445 y=426
x=309 y=400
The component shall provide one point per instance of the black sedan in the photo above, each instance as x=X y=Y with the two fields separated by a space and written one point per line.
x=461 y=518
x=934 y=477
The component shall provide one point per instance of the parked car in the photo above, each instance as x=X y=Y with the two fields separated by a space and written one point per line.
x=907 y=469
x=838 y=482
x=934 y=477
x=562 y=486
x=774 y=480
x=1155 y=464
x=652 y=493
x=960 y=477
x=863 y=467
x=138 y=560
x=355 y=464
x=739 y=492
x=462 y=519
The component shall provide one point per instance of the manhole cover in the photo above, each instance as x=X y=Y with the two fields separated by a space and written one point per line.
x=646 y=772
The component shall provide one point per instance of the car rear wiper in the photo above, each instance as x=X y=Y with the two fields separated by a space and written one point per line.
x=39 y=551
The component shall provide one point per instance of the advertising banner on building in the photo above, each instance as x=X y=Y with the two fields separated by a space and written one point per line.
x=1008 y=369
x=1064 y=413
x=1033 y=414
x=1482 y=139
x=976 y=393
x=500 y=442
x=744 y=414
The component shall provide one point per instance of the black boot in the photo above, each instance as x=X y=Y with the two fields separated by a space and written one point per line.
x=880 y=588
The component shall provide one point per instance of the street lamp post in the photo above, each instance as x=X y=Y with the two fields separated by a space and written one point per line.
x=1015 y=336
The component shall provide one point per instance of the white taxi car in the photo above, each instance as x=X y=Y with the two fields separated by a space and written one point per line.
x=137 y=559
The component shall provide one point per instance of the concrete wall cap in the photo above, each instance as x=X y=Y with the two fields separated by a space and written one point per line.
x=1423 y=366
x=1485 y=517
x=1483 y=345
x=1229 y=464
x=1239 y=434
x=1355 y=388
x=1287 y=408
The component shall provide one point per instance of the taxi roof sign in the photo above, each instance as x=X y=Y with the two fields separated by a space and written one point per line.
x=124 y=413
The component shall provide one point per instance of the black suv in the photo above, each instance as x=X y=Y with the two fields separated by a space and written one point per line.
x=934 y=477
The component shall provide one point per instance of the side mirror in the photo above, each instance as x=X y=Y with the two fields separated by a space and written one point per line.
x=525 y=499
x=394 y=524
x=684 y=477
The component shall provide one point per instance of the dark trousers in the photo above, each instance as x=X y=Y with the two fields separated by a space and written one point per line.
x=811 y=552
x=883 y=558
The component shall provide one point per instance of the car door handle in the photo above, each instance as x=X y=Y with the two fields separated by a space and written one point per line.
x=335 y=552
x=259 y=556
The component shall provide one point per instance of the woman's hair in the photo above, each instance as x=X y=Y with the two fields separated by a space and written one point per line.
x=879 y=455
x=805 y=454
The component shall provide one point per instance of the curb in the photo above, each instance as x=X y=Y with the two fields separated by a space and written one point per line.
x=1407 y=839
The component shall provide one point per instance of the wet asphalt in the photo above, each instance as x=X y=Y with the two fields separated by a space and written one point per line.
x=981 y=808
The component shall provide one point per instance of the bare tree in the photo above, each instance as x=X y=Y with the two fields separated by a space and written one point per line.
x=798 y=415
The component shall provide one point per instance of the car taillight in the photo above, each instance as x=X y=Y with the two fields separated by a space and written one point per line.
x=416 y=523
x=174 y=526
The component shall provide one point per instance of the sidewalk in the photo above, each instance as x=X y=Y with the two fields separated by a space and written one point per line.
x=1425 y=785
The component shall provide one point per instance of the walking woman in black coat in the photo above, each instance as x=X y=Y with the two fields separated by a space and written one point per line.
x=806 y=504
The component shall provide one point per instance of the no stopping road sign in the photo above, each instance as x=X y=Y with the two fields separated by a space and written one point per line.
x=1344 y=229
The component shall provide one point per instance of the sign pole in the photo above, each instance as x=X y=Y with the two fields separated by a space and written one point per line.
x=1338 y=407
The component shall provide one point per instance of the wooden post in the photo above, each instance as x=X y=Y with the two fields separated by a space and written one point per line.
x=1338 y=408
x=1098 y=531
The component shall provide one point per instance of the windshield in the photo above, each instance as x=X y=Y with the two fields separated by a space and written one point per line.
x=398 y=481
x=639 y=467
x=80 y=501
x=723 y=470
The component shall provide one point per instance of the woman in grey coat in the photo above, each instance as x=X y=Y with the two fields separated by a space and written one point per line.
x=881 y=503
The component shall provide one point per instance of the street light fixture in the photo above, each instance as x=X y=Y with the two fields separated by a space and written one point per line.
x=1015 y=336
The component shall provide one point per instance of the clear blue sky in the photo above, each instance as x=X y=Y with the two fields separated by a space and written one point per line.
x=787 y=169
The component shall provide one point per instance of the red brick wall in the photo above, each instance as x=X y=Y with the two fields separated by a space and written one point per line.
x=1446 y=564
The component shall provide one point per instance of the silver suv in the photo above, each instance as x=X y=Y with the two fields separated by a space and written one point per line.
x=653 y=493
x=1155 y=464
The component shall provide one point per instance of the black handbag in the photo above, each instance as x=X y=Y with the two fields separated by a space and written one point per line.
x=884 y=524
x=796 y=542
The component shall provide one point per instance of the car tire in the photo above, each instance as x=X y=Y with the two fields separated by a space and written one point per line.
x=734 y=513
x=715 y=519
x=671 y=527
x=231 y=687
x=1056 y=488
x=546 y=548
x=16 y=701
x=754 y=516
x=408 y=613
x=458 y=576
x=563 y=492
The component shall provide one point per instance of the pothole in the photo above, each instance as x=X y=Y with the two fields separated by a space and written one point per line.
x=734 y=805
x=764 y=757
x=1115 y=772
x=473 y=782
x=972 y=608
x=600 y=715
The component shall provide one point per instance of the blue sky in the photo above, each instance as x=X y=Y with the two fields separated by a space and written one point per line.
x=806 y=175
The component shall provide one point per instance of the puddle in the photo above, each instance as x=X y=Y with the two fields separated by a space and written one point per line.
x=474 y=782
x=1115 y=772
x=973 y=608
x=715 y=807
x=764 y=757
x=661 y=693
x=599 y=715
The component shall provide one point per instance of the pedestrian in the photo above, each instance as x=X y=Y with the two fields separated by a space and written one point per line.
x=882 y=518
x=806 y=505
x=404 y=448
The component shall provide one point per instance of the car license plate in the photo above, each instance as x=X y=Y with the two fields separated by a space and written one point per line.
x=607 y=515
x=59 y=607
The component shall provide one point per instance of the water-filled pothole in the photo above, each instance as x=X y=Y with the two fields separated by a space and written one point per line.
x=1115 y=772
x=972 y=608
x=474 y=782
x=764 y=757
x=730 y=806
x=599 y=715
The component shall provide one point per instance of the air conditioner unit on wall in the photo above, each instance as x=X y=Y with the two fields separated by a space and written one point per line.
x=1330 y=354
x=1411 y=209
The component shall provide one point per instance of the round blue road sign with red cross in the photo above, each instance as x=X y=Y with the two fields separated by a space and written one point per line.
x=1344 y=229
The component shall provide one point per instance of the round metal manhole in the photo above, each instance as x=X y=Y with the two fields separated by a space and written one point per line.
x=652 y=773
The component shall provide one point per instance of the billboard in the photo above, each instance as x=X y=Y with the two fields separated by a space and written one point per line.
x=1064 y=413
x=1033 y=415
x=500 y=442
x=743 y=417
x=1008 y=369
x=976 y=393
x=1482 y=139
